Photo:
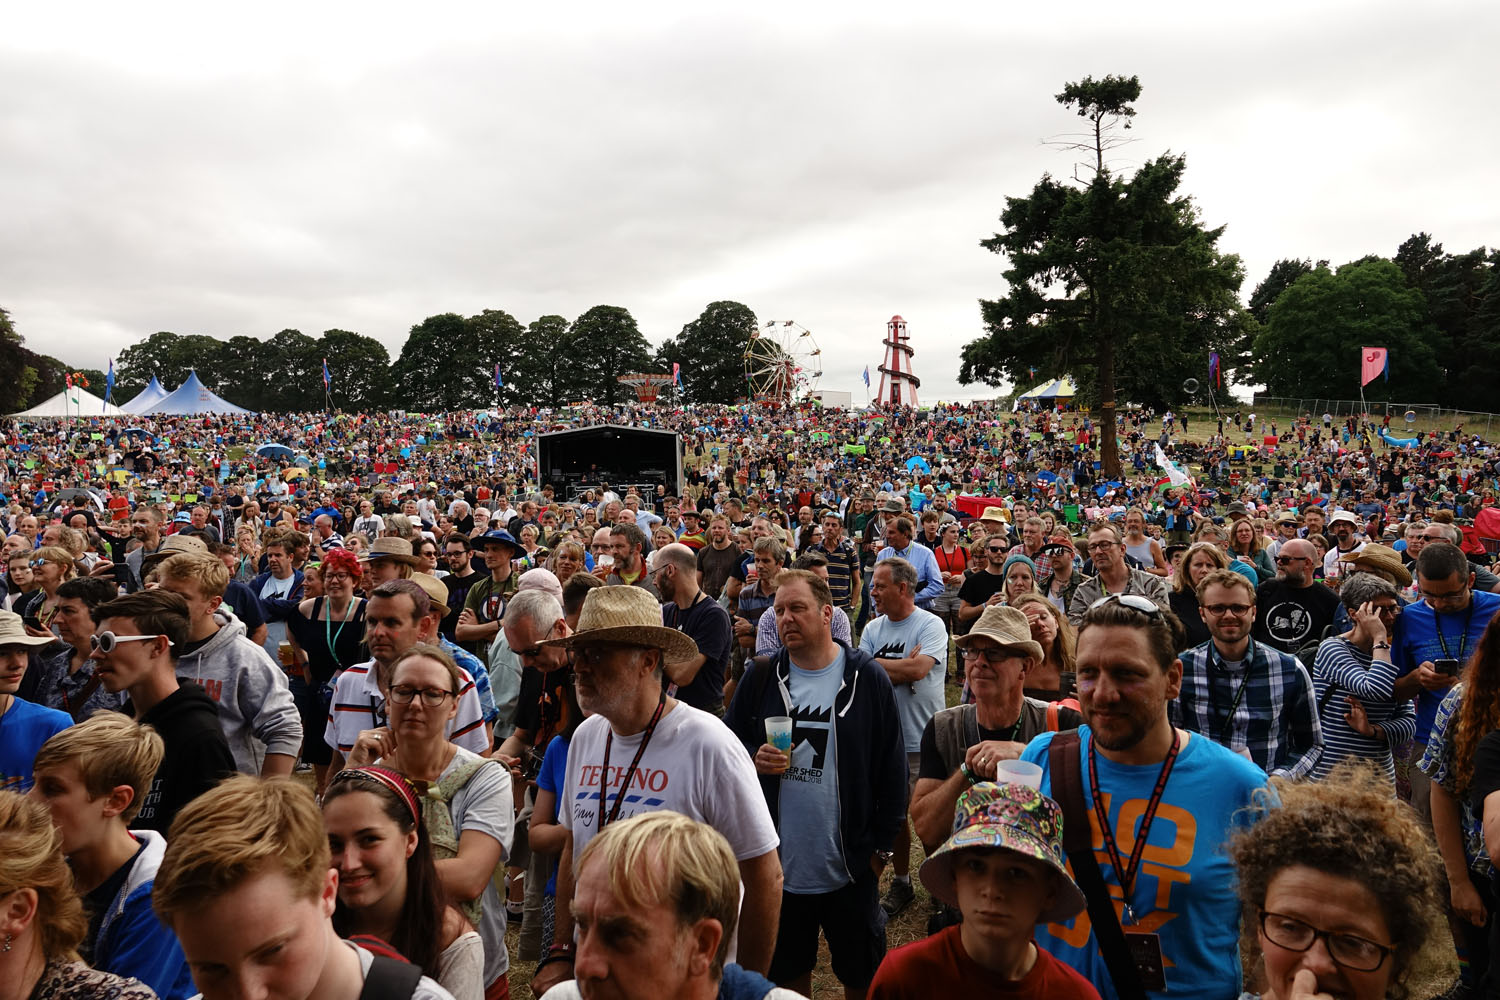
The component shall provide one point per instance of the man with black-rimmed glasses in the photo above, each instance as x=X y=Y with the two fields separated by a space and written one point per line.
x=1247 y=695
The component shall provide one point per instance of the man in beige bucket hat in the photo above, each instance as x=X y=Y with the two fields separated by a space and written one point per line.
x=642 y=751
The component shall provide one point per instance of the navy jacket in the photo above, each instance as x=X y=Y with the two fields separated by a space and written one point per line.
x=278 y=609
x=871 y=754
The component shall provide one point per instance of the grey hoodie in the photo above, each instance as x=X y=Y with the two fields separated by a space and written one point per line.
x=255 y=705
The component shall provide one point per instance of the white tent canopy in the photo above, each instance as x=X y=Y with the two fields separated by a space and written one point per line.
x=146 y=398
x=192 y=397
x=74 y=402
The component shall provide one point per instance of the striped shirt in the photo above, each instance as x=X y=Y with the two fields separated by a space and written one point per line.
x=843 y=563
x=358 y=705
x=1264 y=704
x=1342 y=669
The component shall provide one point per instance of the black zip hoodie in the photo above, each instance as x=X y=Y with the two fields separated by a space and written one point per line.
x=197 y=755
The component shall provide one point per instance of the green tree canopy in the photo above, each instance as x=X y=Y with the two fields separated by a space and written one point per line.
x=1310 y=343
x=425 y=376
x=710 y=350
x=360 y=367
x=604 y=344
x=543 y=372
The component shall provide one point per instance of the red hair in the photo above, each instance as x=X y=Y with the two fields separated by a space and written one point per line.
x=337 y=559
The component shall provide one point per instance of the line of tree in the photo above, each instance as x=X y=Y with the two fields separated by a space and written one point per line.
x=448 y=362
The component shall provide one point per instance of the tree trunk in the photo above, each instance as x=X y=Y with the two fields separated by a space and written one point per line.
x=1109 y=443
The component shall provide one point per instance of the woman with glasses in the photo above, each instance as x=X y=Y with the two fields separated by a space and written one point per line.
x=471 y=810
x=327 y=634
x=1338 y=888
x=50 y=566
x=1355 y=681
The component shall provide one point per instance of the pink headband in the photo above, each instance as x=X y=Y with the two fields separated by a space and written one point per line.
x=392 y=780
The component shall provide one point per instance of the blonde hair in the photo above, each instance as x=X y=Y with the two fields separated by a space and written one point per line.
x=107 y=749
x=31 y=858
x=56 y=554
x=665 y=857
x=1182 y=581
x=208 y=572
x=236 y=831
x=1064 y=651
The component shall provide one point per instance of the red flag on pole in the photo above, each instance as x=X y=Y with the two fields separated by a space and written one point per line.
x=1372 y=361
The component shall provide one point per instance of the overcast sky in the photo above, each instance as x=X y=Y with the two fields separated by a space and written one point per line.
x=233 y=169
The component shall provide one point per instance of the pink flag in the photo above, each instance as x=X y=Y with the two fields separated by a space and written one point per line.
x=1372 y=361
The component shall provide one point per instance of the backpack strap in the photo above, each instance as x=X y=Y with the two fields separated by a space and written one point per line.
x=1064 y=760
x=390 y=979
x=438 y=819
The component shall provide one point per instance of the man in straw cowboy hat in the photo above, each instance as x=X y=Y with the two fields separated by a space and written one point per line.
x=1004 y=869
x=839 y=791
x=642 y=751
x=390 y=558
x=965 y=744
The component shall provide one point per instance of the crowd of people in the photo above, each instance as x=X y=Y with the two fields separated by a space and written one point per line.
x=366 y=718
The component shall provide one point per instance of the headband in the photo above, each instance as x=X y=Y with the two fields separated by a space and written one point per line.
x=392 y=780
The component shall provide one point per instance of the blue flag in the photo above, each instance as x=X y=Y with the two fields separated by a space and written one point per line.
x=499 y=383
x=109 y=382
x=327 y=378
x=867 y=376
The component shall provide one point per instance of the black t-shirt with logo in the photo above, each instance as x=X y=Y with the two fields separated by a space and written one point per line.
x=1290 y=617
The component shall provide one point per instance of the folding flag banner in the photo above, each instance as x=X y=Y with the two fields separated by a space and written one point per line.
x=499 y=382
x=676 y=374
x=109 y=382
x=1215 y=372
x=1373 y=361
x=867 y=376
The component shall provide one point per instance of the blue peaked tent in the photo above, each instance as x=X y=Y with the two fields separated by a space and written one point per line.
x=193 y=397
x=146 y=398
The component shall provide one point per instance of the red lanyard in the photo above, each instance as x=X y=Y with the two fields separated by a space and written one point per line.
x=1126 y=874
x=609 y=739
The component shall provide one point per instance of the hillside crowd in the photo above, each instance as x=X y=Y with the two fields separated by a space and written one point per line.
x=354 y=706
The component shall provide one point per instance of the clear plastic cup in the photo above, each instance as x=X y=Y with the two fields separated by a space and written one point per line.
x=1019 y=772
x=779 y=732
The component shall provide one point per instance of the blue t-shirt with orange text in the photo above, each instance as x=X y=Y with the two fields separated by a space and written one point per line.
x=1184 y=890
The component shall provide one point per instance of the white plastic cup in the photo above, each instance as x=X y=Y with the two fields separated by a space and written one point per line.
x=1020 y=772
x=779 y=732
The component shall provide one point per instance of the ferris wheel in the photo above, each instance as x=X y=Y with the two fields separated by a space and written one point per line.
x=782 y=363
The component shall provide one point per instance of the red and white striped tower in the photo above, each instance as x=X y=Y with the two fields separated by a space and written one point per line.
x=898 y=386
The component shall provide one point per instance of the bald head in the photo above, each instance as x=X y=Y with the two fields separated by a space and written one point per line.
x=1303 y=559
x=678 y=555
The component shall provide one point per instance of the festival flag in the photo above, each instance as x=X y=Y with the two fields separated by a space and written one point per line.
x=1215 y=372
x=327 y=377
x=677 y=374
x=1372 y=362
x=109 y=382
x=499 y=382
x=867 y=376
x=1174 y=476
x=1032 y=369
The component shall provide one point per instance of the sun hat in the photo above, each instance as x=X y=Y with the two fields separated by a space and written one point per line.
x=995 y=514
x=497 y=537
x=13 y=632
x=1237 y=509
x=627 y=615
x=174 y=545
x=1011 y=817
x=1007 y=626
x=893 y=506
x=437 y=591
x=1380 y=559
x=1342 y=515
x=1287 y=518
x=389 y=547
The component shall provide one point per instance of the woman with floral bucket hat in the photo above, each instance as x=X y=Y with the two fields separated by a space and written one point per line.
x=1003 y=868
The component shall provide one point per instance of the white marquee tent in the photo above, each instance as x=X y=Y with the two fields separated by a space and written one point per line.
x=74 y=402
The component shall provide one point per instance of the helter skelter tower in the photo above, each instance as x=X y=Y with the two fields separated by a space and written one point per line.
x=898 y=386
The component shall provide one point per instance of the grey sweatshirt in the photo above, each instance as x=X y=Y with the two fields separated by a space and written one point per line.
x=255 y=705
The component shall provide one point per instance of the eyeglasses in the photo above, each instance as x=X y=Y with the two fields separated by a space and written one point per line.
x=1238 y=610
x=1135 y=602
x=995 y=550
x=1349 y=950
x=592 y=656
x=526 y=654
x=991 y=655
x=1101 y=546
x=105 y=642
x=402 y=694
x=1388 y=610
x=1287 y=560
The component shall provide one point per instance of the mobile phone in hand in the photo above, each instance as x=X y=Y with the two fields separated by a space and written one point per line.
x=1447 y=666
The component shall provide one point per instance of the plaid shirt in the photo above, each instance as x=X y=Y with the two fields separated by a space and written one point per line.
x=1275 y=718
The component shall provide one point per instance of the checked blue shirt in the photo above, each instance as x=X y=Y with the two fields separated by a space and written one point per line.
x=1267 y=706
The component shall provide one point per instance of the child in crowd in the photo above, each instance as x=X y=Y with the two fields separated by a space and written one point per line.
x=93 y=778
x=1003 y=868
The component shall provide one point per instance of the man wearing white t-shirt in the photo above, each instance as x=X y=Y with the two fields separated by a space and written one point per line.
x=642 y=751
x=912 y=647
